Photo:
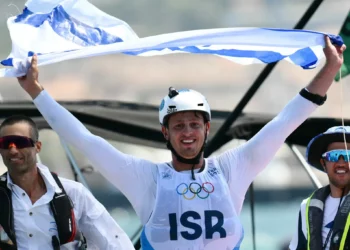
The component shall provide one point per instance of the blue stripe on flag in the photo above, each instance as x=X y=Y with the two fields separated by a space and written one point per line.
x=68 y=27
x=7 y=62
x=306 y=58
x=264 y=56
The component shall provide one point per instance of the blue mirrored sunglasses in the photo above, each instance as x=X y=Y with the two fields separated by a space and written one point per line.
x=334 y=155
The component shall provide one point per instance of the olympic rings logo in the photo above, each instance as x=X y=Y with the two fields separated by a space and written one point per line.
x=195 y=189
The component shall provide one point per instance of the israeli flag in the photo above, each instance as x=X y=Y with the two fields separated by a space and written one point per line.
x=59 y=30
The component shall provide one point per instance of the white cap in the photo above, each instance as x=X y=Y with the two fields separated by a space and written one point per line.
x=183 y=100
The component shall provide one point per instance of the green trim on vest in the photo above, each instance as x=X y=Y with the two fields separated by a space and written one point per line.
x=343 y=238
x=314 y=221
x=307 y=220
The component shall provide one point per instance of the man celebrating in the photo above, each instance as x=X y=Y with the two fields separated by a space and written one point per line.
x=41 y=211
x=324 y=218
x=190 y=202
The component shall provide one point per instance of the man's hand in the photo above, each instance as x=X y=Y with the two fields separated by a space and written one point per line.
x=30 y=82
x=324 y=79
x=334 y=54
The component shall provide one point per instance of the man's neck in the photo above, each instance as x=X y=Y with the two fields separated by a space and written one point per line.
x=338 y=192
x=31 y=182
x=179 y=166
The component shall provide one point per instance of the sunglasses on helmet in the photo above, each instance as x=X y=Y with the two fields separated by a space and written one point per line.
x=16 y=140
x=334 y=155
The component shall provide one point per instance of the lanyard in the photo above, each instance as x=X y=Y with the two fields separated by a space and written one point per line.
x=331 y=230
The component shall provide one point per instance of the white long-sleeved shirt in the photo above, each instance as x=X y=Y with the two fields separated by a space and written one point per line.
x=35 y=224
x=240 y=165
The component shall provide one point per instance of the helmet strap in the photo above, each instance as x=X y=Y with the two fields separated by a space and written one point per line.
x=194 y=160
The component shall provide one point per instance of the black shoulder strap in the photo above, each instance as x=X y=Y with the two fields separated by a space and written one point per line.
x=62 y=209
x=340 y=222
x=6 y=213
x=302 y=242
x=315 y=216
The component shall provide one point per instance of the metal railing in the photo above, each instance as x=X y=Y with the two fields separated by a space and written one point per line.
x=306 y=166
x=74 y=164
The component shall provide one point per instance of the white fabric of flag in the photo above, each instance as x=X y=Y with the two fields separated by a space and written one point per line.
x=60 y=30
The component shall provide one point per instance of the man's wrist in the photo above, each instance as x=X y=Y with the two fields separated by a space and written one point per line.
x=332 y=67
x=35 y=90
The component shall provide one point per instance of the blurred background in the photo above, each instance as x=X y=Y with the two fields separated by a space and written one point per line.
x=281 y=187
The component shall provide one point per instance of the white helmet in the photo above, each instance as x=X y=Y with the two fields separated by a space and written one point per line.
x=183 y=100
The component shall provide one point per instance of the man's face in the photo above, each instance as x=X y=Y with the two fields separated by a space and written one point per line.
x=338 y=172
x=19 y=161
x=186 y=133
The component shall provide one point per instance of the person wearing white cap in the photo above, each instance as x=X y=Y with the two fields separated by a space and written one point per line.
x=324 y=218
